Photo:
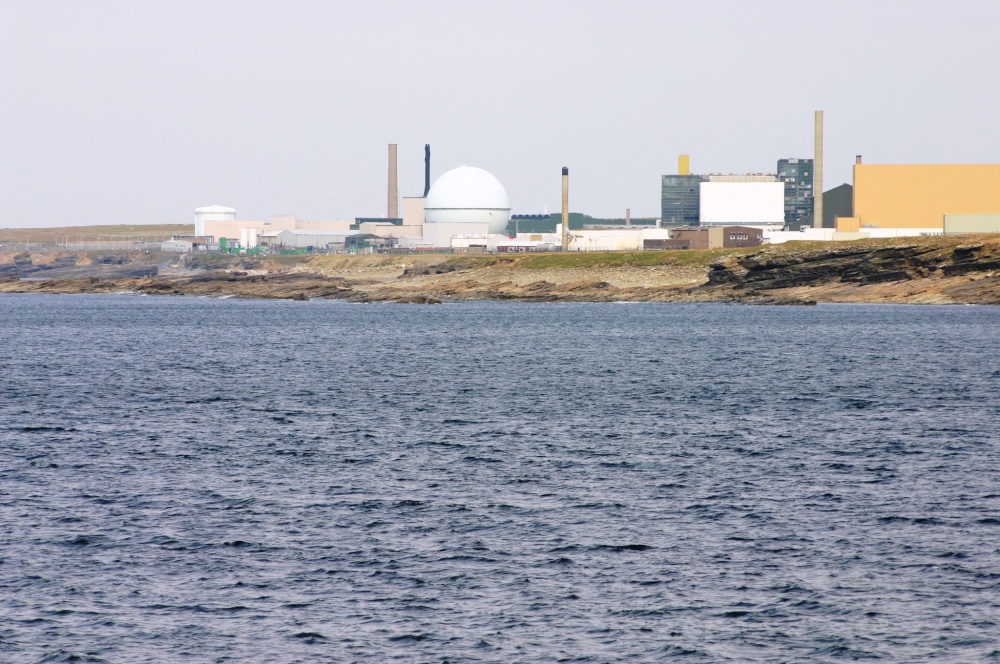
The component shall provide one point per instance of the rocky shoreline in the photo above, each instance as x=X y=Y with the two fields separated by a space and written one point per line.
x=931 y=270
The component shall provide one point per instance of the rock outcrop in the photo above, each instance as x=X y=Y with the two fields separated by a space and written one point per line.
x=907 y=270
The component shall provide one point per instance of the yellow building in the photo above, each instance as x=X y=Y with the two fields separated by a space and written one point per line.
x=918 y=196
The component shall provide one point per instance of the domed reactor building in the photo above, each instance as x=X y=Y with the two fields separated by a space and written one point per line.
x=465 y=201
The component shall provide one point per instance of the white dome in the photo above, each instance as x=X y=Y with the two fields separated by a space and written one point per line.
x=468 y=195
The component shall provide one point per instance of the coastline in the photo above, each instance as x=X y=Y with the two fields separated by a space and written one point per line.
x=923 y=270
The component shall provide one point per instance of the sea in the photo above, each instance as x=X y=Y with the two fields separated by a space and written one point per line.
x=218 y=480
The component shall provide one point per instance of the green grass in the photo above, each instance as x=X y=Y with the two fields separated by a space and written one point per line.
x=609 y=259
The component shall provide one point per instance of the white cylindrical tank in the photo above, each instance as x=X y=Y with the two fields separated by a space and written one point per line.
x=211 y=213
x=468 y=195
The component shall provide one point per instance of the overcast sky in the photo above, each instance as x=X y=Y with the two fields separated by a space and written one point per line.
x=140 y=111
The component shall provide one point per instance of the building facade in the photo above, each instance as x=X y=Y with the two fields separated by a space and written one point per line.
x=680 y=203
x=797 y=174
x=742 y=200
x=837 y=202
x=741 y=236
x=918 y=196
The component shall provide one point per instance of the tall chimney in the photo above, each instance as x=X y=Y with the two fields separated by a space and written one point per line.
x=818 y=173
x=565 y=209
x=628 y=216
x=857 y=159
x=393 y=212
x=427 y=169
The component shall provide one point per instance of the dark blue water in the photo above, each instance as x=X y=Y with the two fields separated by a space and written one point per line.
x=224 y=481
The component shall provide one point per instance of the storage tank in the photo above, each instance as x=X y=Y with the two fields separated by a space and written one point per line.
x=211 y=213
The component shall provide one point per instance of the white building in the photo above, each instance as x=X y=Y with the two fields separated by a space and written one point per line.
x=743 y=200
x=465 y=201
x=211 y=213
x=301 y=239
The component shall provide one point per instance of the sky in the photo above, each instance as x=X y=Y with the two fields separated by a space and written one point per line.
x=134 y=111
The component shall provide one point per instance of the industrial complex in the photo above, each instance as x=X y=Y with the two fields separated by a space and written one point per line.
x=467 y=209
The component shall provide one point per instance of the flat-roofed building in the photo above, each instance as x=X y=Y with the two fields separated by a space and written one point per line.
x=757 y=200
x=916 y=197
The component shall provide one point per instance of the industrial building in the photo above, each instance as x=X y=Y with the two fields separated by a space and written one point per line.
x=742 y=200
x=958 y=224
x=837 y=202
x=302 y=239
x=465 y=201
x=680 y=196
x=797 y=174
x=914 y=199
x=708 y=237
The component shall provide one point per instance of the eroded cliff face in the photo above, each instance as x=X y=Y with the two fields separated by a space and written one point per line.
x=908 y=270
x=931 y=269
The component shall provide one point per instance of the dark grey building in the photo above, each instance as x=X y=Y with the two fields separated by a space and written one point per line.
x=837 y=202
x=681 y=200
x=797 y=174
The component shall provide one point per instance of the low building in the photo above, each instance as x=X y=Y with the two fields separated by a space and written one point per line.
x=687 y=237
x=627 y=238
x=301 y=239
x=956 y=224
x=742 y=236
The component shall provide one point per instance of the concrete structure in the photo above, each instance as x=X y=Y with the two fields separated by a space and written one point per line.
x=439 y=234
x=236 y=231
x=837 y=202
x=689 y=237
x=525 y=242
x=413 y=211
x=797 y=174
x=393 y=207
x=467 y=195
x=482 y=241
x=564 y=224
x=180 y=246
x=918 y=196
x=300 y=239
x=741 y=236
x=385 y=229
x=742 y=200
x=623 y=239
x=971 y=223
x=291 y=223
x=806 y=234
x=818 y=172
x=211 y=213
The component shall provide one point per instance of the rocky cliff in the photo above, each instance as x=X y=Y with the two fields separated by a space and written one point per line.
x=941 y=270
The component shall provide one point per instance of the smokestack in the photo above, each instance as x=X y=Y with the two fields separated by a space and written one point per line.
x=857 y=159
x=628 y=216
x=565 y=209
x=427 y=169
x=818 y=173
x=684 y=164
x=393 y=212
